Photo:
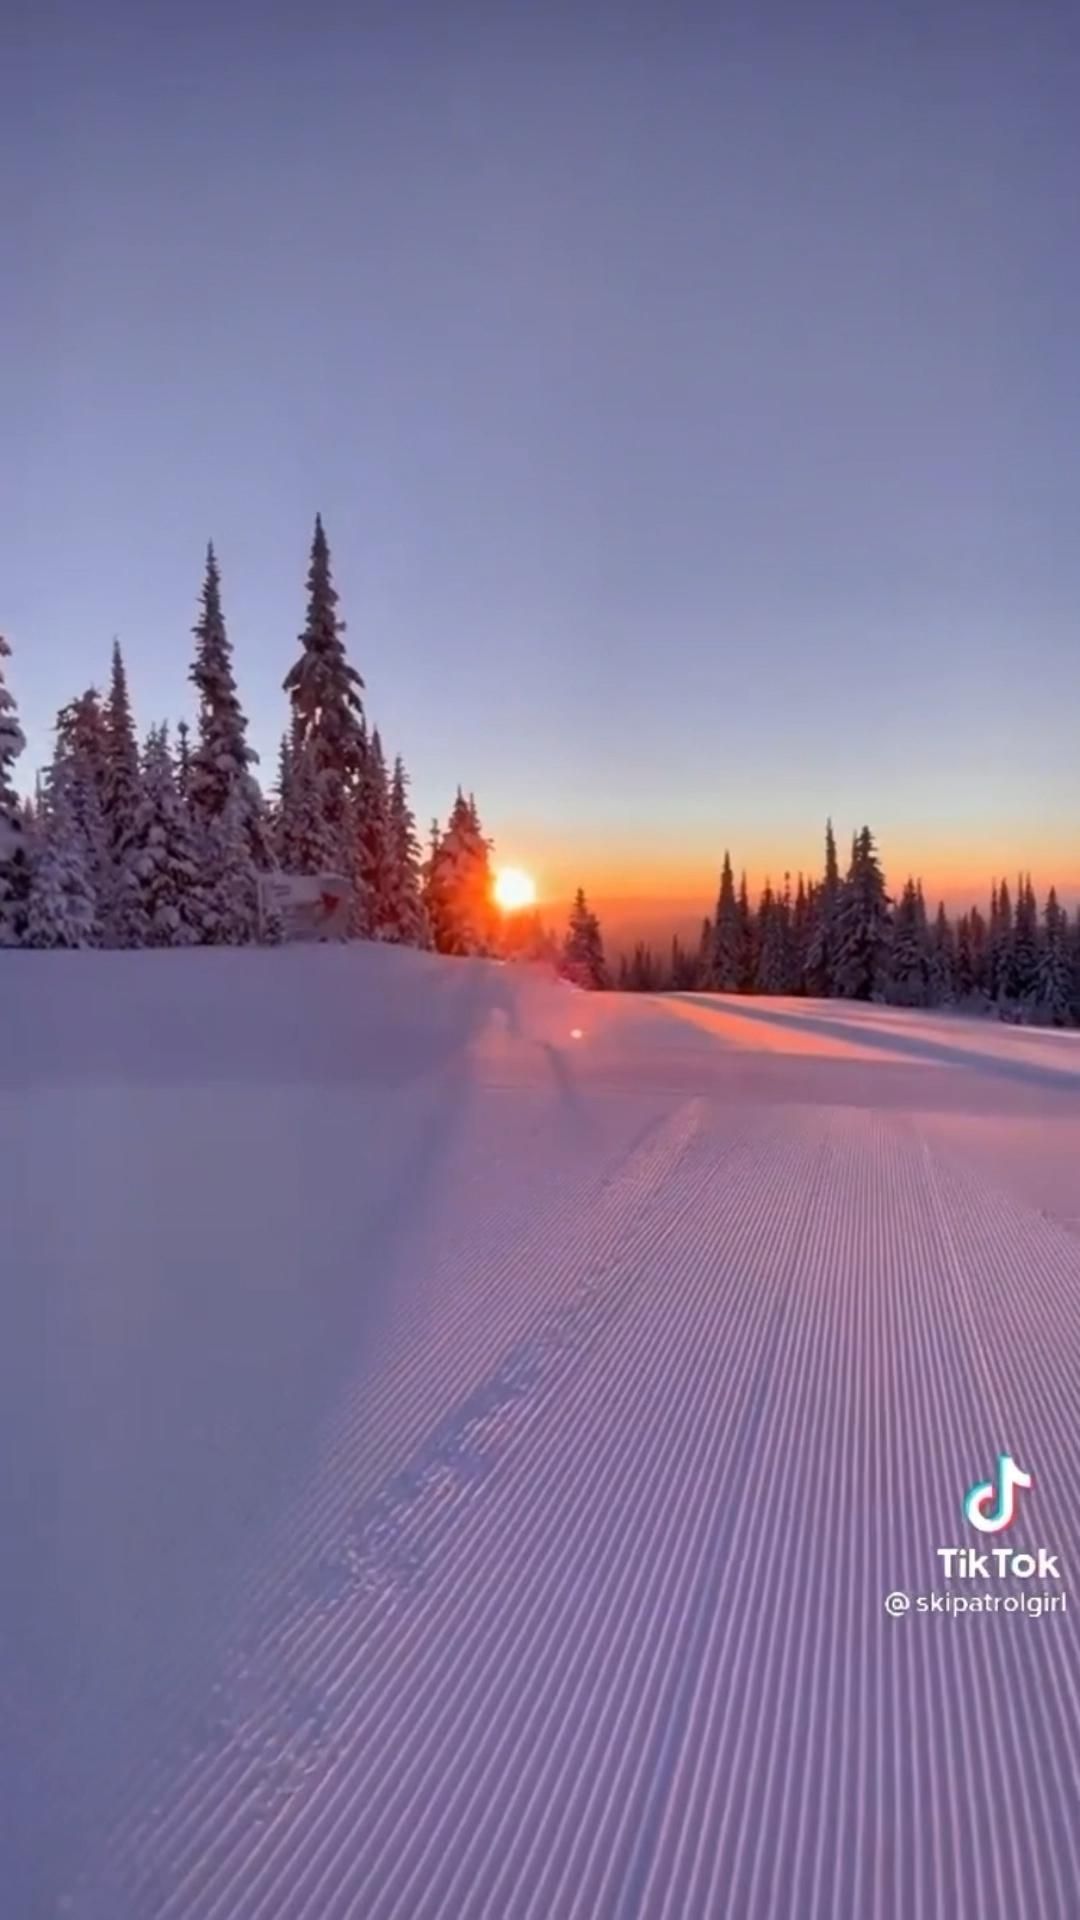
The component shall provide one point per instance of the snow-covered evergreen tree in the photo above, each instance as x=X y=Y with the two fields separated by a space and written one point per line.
x=979 y=946
x=747 y=939
x=122 y=788
x=82 y=746
x=328 y=741
x=704 y=954
x=821 y=941
x=14 y=861
x=802 y=918
x=862 y=926
x=771 y=945
x=909 y=958
x=583 y=952
x=162 y=888
x=374 y=850
x=183 y=761
x=458 y=894
x=62 y=909
x=684 y=966
x=1055 y=966
x=220 y=765
x=309 y=841
x=1023 y=968
x=941 y=976
x=724 y=969
x=406 y=918
x=234 y=895
x=999 y=946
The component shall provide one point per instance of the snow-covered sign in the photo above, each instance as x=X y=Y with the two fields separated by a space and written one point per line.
x=308 y=906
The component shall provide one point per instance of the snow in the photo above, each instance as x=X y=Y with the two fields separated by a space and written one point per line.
x=459 y=1434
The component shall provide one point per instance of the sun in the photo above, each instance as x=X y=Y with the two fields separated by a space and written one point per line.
x=514 y=889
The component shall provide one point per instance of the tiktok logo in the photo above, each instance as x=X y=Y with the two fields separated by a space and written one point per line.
x=979 y=1506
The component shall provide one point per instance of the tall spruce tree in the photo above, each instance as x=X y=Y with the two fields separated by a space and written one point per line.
x=801 y=923
x=62 y=908
x=82 y=747
x=406 y=916
x=747 y=939
x=374 y=865
x=220 y=766
x=863 y=926
x=458 y=892
x=770 y=945
x=328 y=739
x=821 y=944
x=999 y=953
x=183 y=761
x=909 y=958
x=162 y=884
x=583 y=951
x=122 y=790
x=1023 y=970
x=724 y=969
x=941 y=974
x=14 y=860
x=1055 y=981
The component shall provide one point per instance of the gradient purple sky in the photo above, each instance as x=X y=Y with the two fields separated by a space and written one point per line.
x=692 y=406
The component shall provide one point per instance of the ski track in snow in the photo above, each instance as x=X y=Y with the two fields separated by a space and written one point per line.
x=481 y=1497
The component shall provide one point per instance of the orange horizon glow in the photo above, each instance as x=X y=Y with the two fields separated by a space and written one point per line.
x=686 y=882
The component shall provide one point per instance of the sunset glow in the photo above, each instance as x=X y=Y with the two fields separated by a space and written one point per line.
x=514 y=889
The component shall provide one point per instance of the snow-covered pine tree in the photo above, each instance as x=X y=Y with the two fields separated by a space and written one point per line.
x=220 y=765
x=62 y=910
x=801 y=922
x=1024 y=952
x=374 y=866
x=724 y=969
x=820 y=964
x=183 y=761
x=406 y=920
x=684 y=966
x=862 y=926
x=771 y=944
x=309 y=840
x=979 y=942
x=14 y=860
x=328 y=741
x=909 y=959
x=941 y=974
x=583 y=952
x=163 y=889
x=786 y=907
x=965 y=959
x=747 y=939
x=705 y=954
x=999 y=953
x=459 y=899
x=82 y=744
x=122 y=788
x=234 y=899
x=1055 y=982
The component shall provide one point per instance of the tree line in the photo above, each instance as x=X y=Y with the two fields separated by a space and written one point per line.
x=842 y=936
x=160 y=843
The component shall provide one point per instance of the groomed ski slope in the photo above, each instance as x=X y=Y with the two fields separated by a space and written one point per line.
x=453 y=1466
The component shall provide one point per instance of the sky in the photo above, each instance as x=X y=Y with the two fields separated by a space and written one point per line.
x=689 y=393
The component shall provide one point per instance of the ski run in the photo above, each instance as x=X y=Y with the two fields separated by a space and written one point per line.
x=460 y=1434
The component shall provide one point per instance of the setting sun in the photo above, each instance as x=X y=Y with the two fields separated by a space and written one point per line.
x=514 y=889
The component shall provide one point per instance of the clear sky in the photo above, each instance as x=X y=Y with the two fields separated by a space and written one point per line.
x=691 y=395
